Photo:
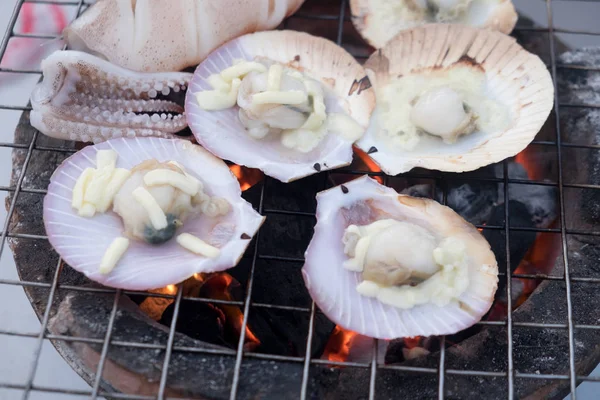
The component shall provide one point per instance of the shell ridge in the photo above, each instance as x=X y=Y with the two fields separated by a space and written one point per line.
x=76 y=217
x=139 y=145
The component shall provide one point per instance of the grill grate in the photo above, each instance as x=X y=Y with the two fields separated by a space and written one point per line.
x=442 y=372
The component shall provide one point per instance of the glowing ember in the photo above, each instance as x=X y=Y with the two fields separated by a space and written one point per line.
x=367 y=164
x=412 y=342
x=171 y=289
x=539 y=260
x=247 y=177
x=218 y=286
x=339 y=344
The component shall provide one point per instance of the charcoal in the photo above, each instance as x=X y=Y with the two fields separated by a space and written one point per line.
x=520 y=241
x=471 y=200
x=282 y=331
x=583 y=127
x=200 y=321
x=540 y=200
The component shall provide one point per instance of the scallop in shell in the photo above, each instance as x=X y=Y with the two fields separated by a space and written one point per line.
x=286 y=102
x=378 y=21
x=200 y=203
x=387 y=265
x=454 y=98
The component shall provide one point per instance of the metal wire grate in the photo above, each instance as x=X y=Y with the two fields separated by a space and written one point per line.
x=442 y=372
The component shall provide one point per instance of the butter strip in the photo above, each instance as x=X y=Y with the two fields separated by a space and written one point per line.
x=168 y=177
x=97 y=185
x=87 y=210
x=113 y=254
x=119 y=177
x=158 y=219
x=241 y=69
x=274 y=77
x=217 y=82
x=197 y=246
x=213 y=100
x=106 y=158
x=277 y=97
x=80 y=187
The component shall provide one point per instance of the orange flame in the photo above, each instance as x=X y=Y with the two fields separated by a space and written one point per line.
x=171 y=289
x=369 y=164
x=412 y=342
x=540 y=259
x=247 y=177
x=339 y=344
x=218 y=286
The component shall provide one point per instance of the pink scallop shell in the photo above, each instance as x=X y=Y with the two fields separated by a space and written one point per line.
x=81 y=242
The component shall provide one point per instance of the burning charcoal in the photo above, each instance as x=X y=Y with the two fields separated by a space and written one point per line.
x=282 y=331
x=520 y=241
x=539 y=200
x=201 y=321
x=471 y=200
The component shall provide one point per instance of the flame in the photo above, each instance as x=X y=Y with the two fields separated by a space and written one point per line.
x=540 y=259
x=339 y=344
x=171 y=289
x=247 y=177
x=529 y=165
x=368 y=163
x=218 y=286
x=412 y=342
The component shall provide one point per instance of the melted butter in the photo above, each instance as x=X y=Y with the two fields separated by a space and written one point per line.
x=272 y=103
x=442 y=269
x=397 y=99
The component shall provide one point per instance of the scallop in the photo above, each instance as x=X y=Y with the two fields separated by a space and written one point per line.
x=454 y=98
x=285 y=102
x=387 y=265
x=143 y=213
x=378 y=21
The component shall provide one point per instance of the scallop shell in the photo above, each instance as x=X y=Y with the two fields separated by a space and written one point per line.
x=81 y=242
x=377 y=31
x=333 y=287
x=514 y=77
x=222 y=134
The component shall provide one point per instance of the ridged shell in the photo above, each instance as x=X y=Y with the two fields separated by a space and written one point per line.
x=221 y=132
x=515 y=77
x=81 y=242
x=502 y=17
x=333 y=287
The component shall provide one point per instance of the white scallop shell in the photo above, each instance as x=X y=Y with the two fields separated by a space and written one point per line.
x=222 y=134
x=81 y=242
x=333 y=287
x=514 y=77
x=377 y=26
